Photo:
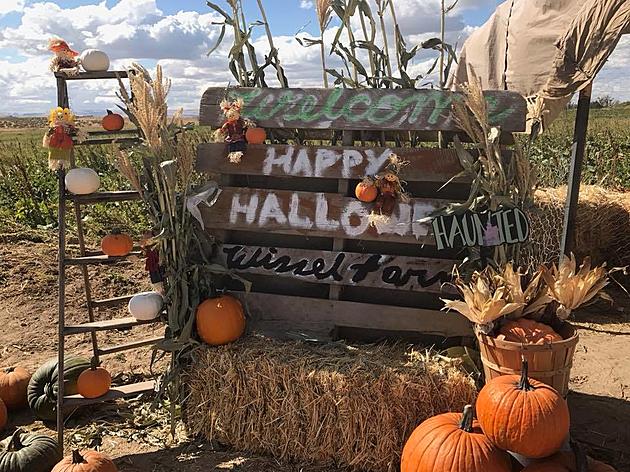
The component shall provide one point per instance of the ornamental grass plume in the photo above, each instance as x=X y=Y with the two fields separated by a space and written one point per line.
x=571 y=289
x=486 y=299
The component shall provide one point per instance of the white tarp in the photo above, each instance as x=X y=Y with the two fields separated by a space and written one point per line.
x=548 y=48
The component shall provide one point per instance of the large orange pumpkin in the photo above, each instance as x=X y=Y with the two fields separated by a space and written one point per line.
x=112 y=122
x=366 y=191
x=255 y=135
x=452 y=442
x=528 y=331
x=13 y=387
x=4 y=415
x=86 y=461
x=566 y=462
x=94 y=382
x=523 y=415
x=220 y=320
x=116 y=244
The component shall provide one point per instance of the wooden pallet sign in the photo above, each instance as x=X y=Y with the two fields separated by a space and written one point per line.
x=289 y=222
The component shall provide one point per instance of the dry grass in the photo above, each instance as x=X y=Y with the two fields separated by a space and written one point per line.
x=333 y=404
x=602 y=226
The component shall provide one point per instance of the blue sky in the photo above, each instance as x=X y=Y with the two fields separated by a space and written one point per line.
x=178 y=33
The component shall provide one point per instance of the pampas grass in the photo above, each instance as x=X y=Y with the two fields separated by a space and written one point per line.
x=332 y=404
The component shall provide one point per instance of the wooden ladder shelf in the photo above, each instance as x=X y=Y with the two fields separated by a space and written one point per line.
x=87 y=259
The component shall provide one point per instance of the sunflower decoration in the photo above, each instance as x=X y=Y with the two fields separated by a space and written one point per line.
x=58 y=138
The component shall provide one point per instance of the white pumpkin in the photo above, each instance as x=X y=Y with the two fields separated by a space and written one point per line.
x=82 y=181
x=94 y=60
x=146 y=306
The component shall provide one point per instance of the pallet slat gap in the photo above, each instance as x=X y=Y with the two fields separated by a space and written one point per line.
x=130 y=345
x=107 y=325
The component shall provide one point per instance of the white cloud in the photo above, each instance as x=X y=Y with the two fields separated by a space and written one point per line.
x=10 y=6
x=306 y=4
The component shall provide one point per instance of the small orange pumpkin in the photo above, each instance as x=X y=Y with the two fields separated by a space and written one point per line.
x=112 y=122
x=366 y=191
x=13 y=387
x=94 y=382
x=255 y=135
x=528 y=331
x=86 y=461
x=116 y=244
x=4 y=415
x=220 y=320
x=523 y=415
x=452 y=442
x=567 y=462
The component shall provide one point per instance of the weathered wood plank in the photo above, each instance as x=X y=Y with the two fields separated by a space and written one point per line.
x=317 y=214
x=349 y=109
x=293 y=314
x=426 y=165
x=339 y=267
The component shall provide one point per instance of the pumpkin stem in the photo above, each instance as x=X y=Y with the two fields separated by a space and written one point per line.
x=8 y=370
x=467 y=419
x=524 y=382
x=109 y=112
x=15 y=444
x=77 y=458
x=93 y=363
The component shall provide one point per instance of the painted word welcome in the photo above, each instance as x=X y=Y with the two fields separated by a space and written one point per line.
x=505 y=226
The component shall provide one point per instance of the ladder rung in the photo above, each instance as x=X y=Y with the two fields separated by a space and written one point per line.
x=114 y=394
x=105 y=197
x=111 y=302
x=119 y=140
x=101 y=259
x=107 y=325
x=110 y=74
x=109 y=133
x=129 y=345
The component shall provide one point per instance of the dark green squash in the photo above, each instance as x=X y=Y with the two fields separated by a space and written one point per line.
x=42 y=389
x=29 y=453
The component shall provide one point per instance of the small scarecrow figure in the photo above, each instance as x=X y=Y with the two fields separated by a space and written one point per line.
x=233 y=130
x=390 y=190
x=152 y=264
x=65 y=58
x=58 y=138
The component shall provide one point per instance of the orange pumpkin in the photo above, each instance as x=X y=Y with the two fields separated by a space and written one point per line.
x=220 y=320
x=523 y=415
x=452 y=442
x=566 y=462
x=112 y=122
x=13 y=387
x=4 y=415
x=86 y=461
x=528 y=331
x=116 y=244
x=255 y=135
x=94 y=382
x=366 y=191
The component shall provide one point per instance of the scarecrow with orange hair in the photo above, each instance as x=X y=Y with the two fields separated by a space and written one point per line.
x=65 y=59
x=233 y=130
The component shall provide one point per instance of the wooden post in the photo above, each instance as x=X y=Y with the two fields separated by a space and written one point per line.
x=567 y=243
x=62 y=302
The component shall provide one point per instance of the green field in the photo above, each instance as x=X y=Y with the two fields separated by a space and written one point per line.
x=28 y=190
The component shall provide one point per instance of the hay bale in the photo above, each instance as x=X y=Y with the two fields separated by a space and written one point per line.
x=602 y=225
x=331 y=405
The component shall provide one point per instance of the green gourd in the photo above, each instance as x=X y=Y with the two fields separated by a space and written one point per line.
x=42 y=389
x=29 y=453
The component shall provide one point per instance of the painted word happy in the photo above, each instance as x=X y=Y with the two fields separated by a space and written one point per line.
x=323 y=212
x=491 y=228
x=337 y=267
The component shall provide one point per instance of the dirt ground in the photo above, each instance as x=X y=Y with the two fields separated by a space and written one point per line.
x=137 y=433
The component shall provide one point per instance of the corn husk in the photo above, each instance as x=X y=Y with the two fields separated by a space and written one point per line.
x=571 y=288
